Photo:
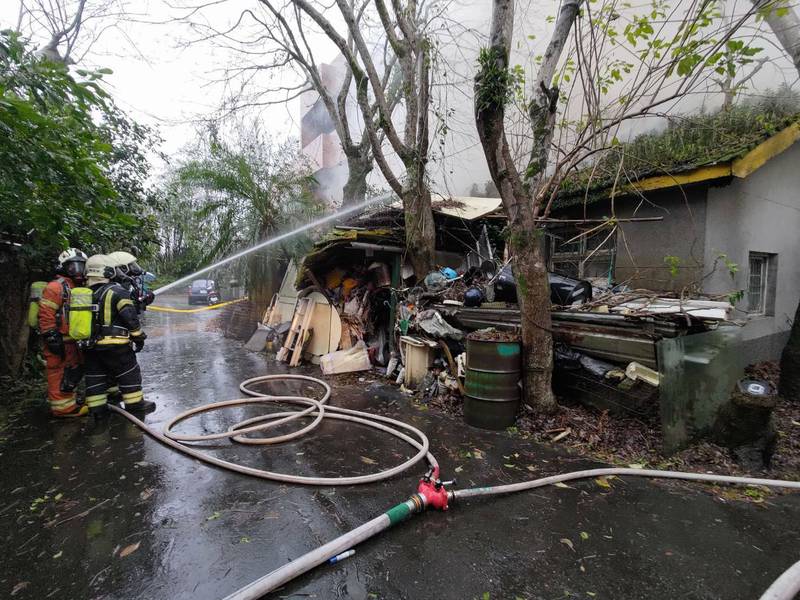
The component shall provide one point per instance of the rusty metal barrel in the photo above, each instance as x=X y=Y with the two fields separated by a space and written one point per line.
x=492 y=383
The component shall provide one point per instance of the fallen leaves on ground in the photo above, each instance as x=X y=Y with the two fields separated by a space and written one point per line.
x=603 y=483
x=127 y=550
x=19 y=587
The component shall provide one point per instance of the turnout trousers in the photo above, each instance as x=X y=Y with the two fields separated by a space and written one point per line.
x=109 y=365
x=60 y=402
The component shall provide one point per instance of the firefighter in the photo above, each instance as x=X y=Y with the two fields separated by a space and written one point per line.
x=61 y=353
x=130 y=275
x=117 y=336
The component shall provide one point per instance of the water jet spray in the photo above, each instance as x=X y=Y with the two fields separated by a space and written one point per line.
x=274 y=240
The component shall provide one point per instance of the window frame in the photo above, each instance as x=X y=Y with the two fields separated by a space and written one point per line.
x=581 y=257
x=767 y=283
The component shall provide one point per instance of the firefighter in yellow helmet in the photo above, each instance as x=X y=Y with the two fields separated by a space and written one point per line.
x=117 y=337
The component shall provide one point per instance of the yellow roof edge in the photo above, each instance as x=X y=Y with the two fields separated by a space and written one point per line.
x=766 y=150
x=698 y=175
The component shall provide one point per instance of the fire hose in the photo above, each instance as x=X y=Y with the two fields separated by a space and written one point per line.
x=431 y=491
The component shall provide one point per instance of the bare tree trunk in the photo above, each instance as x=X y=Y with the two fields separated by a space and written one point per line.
x=789 y=386
x=785 y=24
x=524 y=201
x=14 y=284
x=533 y=296
x=359 y=166
x=420 y=229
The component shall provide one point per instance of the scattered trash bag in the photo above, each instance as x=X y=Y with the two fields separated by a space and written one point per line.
x=595 y=366
x=564 y=291
x=566 y=358
x=435 y=282
x=432 y=323
x=473 y=297
x=346 y=361
x=448 y=272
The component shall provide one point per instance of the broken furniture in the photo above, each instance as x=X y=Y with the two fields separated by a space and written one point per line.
x=417 y=355
x=299 y=333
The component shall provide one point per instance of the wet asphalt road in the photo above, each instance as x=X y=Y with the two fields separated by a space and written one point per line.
x=102 y=511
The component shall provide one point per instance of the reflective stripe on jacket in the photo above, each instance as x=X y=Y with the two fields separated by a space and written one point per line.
x=52 y=313
x=117 y=319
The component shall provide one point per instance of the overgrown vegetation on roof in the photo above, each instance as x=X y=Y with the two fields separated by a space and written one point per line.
x=689 y=142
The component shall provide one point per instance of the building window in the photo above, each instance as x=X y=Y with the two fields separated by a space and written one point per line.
x=761 y=283
x=582 y=256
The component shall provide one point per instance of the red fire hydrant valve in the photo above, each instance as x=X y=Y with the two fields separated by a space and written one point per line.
x=433 y=491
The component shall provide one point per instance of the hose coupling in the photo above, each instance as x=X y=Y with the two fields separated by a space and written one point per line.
x=433 y=491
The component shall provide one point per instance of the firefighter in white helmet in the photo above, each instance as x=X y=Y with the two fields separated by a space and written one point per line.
x=130 y=275
x=62 y=356
x=117 y=337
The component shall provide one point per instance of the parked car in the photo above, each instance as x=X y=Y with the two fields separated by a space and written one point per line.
x=203 y=291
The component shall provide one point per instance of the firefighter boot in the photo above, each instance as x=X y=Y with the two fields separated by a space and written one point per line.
x=142 y=406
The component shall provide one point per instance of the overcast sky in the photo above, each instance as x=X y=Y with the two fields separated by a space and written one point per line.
x=158 y=78
x=161 y=80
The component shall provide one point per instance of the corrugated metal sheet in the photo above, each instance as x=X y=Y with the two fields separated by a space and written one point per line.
x=468 y=208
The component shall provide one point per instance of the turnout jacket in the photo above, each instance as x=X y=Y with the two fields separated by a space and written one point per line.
x=52 y=306
x=117 y=317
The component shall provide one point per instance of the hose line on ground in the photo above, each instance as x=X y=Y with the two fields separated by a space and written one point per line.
x=786 y=587
x=313 y=408
x=318 y=410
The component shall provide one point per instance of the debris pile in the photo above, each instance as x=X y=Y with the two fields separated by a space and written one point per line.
x=355 y=304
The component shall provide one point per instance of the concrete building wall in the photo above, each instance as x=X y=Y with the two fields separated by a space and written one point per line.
x=760 y=213
x=643 y=246
x=679 y=236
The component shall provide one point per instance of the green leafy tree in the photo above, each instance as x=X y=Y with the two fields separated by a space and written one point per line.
x=72 y=173
x=238 y=192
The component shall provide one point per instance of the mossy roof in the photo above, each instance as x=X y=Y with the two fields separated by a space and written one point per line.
x=687 y=144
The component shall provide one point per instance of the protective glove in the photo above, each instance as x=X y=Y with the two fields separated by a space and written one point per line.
x=71 y=378
x=147 y=298
x=55 y=343
x=138 y=342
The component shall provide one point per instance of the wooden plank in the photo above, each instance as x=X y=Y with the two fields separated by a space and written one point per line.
x=302 y=335
x=294 y=329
